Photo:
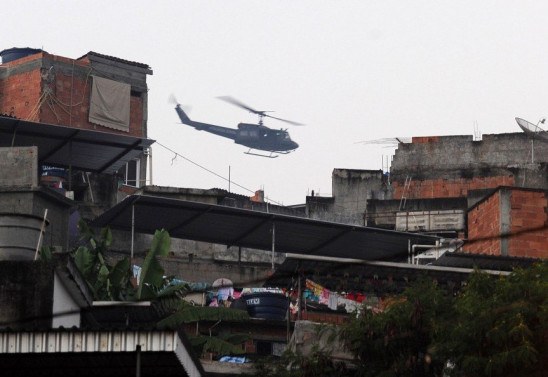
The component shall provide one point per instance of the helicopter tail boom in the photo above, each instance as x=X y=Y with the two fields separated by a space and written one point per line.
x=217 y=130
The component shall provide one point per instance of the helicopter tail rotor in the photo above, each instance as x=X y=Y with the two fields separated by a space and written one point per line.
x=172 y=99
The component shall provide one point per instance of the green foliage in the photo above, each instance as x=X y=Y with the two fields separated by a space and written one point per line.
x=290 y=364
x=397 y=342
x=152 y=273
x=113 y=283
x=187 y=313
x=500 y=326
x=45 y=254
x=221 y=345
x=110 y=283
x=496 y=326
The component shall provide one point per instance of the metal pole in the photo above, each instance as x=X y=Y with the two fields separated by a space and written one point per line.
x=42 y=230
x=70 y=166
x=299 y=292
x=150 y=165
x=138 y=361
x=132 y=229
x=228 y=178
x=408 y=251
x=273 y=243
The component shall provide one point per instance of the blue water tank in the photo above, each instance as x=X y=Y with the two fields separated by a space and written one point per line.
x=17 y=53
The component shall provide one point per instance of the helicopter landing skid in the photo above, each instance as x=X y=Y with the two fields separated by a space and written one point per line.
x=271 y=155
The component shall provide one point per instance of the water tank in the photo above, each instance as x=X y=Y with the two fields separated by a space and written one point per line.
x=17 y=53
x=19 y=234
x=266 y=305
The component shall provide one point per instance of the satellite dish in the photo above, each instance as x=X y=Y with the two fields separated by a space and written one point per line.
x=533 y=130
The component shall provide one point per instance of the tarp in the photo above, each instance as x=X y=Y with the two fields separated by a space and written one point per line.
x=109 y=104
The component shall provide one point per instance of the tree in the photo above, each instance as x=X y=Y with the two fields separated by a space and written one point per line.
x=501 y=325
x=495 y=326
x=398 y=341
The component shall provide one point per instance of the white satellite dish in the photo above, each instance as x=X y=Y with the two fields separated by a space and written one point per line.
x=533 y=130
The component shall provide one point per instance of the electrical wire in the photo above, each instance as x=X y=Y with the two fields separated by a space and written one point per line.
x=211 y=171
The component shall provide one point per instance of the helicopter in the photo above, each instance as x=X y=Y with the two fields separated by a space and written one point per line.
x=254 y=136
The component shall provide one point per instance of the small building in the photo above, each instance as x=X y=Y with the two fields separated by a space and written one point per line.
x=512 y=221
x=93 y=92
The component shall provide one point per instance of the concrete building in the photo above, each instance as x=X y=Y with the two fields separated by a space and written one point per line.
x=453 y=166
x=351 y=188
x=435 y=184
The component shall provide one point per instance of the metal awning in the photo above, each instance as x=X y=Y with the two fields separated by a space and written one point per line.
x=87 y=150
x=252 y=229
x=81 y=352
x=352 y=274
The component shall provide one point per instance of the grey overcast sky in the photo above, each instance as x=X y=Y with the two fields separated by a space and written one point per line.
x=350 y=70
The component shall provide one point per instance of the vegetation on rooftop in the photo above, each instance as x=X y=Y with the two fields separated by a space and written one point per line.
x=495 y=326
x=114 y=282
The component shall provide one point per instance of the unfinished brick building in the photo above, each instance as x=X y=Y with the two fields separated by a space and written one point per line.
x=94 y=92
x=452 y=166
x=504 y=178
x=444 y=184
x=52 y=89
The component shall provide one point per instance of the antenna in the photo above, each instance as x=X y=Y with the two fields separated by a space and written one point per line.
x=388 y=142
x=477 y=132
x=534 y=131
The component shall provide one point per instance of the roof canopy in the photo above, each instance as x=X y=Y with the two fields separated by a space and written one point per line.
x=239 y=227
x=108 y=352
x=93 y=151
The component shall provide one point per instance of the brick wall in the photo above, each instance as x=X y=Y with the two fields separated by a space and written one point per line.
x=56 y=90
x=450 y=166
x=513 y=224
x=323 y=317
x=20 y=93
x=484 y=227
x=448 y=188
x=529 y=223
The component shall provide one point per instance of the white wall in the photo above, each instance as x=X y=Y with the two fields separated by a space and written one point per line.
x=66 y=312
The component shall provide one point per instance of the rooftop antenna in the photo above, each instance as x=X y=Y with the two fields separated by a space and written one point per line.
x=534 y=131
x=477 y=132
x=388 y=142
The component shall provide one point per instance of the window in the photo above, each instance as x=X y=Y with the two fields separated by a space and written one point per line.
x=131 y=173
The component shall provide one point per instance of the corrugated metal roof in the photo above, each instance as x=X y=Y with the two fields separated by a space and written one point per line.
x=105 y=353
x=86 y=150
x=351 y=274
x=252 y=229
x=482 y=261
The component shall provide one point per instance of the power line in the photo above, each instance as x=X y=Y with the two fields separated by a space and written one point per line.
x=212 y=172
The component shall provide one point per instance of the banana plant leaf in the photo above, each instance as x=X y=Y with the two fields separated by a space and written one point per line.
x=152 y=273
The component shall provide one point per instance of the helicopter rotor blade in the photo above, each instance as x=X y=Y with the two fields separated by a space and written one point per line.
x=235 y=102
x=285 y=120
x=261 y=113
